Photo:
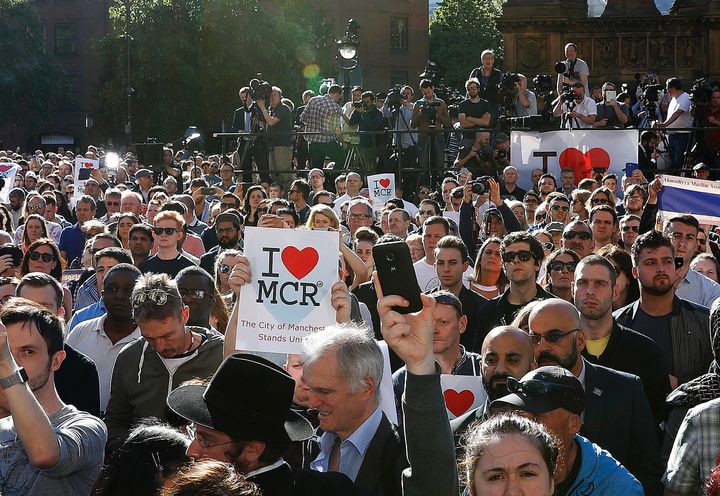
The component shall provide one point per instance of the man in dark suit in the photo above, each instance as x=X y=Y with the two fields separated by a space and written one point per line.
x=244 y=417
x=247 y=120
x=617 y=414
x=343 y=367
x=648 y=154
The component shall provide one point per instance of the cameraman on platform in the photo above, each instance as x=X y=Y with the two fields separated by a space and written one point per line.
x=368 y=118
x=401 y=122
x=279 y=120
x=488 y=79
x=678 y=116
x=477 y=157
x=473 y=113
x=578 y=113
x=611 y=114
x=577 y=70
x=525 y=101
x=430 y=116
x=248 y=119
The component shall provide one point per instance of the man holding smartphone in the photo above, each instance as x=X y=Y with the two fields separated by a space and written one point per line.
x=611 y=114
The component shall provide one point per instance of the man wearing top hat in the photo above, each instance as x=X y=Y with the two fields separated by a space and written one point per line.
x=244 y=417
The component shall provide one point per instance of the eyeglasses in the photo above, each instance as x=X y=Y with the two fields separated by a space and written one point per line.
x=523 y=255
x=599 y=201
x=358 y=216
x=551 y=337
x=192 y=431
x=46 y=257
x=36 y=207
x=227 y=205
x=548 y=245
x=224 y=230
x=533 y=387
x=156 y=296
x=557 y=266
x=168 y=231
x=426 y=212
x=224 y=268
x=560 y=208
x=583 y=235
x=631 y=228
x=195 y=294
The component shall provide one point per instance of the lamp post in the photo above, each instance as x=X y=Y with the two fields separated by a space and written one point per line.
x=346 y=57
x=130 y=90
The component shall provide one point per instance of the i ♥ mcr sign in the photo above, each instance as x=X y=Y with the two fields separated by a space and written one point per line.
x=583 y=151
x=293 y=272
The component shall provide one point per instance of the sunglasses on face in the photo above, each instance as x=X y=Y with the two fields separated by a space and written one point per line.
x=551 y=337
x=523 y=255
x=548 y=245
x=557 y=266
x=583 y=235
x=46 y=257
x=599 y=201
x=533 y=387
x=427 y=212
x=228 y=205
x=35 y=207
x=169 y=231
x=631 y=228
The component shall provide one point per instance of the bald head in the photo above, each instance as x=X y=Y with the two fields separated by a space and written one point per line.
x=557 y=338
x=506 y=352
x=561 y=310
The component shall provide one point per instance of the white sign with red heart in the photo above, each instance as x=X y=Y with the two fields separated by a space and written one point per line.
x=83 y=171
x=381 y=188
x=462 y=393
x=293 y=272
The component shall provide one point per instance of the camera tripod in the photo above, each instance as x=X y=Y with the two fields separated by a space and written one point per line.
x=570 y=122
x=397 y=115
x=353 y=157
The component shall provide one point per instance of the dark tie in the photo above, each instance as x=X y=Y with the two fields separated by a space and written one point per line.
x=334 y=465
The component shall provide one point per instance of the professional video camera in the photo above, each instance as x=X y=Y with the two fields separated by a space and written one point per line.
x=394 y=98
x=701 y=92
x=260 y=89
x=481 y=185
x=429 y=111
x=544 y=83
x=507 y=90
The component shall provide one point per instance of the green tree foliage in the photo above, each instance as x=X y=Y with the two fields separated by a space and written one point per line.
x=189 y=58
x=459 y=32
x=29 y=82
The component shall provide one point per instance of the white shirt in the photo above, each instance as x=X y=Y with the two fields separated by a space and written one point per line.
x=584 y=108
x=89 y=337
x=682 y=102
x=427 y=276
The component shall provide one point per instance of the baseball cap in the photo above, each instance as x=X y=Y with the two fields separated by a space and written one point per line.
x=555 y=227
x=542 y=390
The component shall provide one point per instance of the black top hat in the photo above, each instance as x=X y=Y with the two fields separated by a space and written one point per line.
x=248 y=398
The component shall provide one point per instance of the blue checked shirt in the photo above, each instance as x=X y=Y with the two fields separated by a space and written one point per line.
x=695 y=450
x=321 y=114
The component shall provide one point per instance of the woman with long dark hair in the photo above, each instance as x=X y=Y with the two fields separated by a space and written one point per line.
x=253 y=196
x=489 y=279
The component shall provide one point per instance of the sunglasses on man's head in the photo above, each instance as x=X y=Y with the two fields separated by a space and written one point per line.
x=155 y=296
x=534 y=387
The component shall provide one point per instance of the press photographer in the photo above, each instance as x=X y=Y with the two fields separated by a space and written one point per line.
x=577 y=110
x=474 y=112
x=477 y=157
x=572 y=70
x=525 y=100
x=430 y=116
x=280 y=122
x=678 y=117
x=248 y=119
x=398 y=110
x=368 y=118
x=611 y=114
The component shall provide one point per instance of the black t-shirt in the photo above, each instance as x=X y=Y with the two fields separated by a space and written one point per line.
x=657 y=329
x=476 y=110
x=279 y=134
x=518 y=193
x=170 y=267
x=477 y=165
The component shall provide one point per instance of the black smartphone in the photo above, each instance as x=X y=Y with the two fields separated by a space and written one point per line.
x=208 y=191
x=396 y=273
x=679 y=262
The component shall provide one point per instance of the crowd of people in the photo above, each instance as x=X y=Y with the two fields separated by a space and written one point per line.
x=591 y=322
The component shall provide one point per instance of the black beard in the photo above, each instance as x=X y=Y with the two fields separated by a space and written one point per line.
x=494 y=389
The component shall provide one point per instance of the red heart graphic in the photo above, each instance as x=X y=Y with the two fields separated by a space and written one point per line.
x=384 y=182
x=458 y=403
x=584 y=163
x=299 y=262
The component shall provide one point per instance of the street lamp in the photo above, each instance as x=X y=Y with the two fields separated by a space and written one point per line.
x=346 y=57
x=129 y=89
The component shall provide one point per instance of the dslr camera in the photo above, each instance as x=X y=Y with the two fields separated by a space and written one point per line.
x=429 y=111
x=481 y=185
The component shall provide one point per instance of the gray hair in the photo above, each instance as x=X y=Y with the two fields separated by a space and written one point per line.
x=358 y=354
x=148 y=309
x=360 y=201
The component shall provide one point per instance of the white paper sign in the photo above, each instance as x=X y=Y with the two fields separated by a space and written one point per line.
x=83 y=168
x=8 y=171
x=387 y=395
x=381 y=188
x=462 y=393
x=289 y=297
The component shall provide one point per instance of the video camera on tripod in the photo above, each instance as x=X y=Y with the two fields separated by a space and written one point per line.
x=260 y=89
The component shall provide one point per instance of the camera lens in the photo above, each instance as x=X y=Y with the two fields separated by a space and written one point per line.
x=390 y=257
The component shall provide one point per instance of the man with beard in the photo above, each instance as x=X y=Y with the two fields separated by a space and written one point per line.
x=506 y=352
x=603 y=222
x=197 y=290
x=680 y=328
x=610 y=344
x=617 y=414
x=141 y=242
x=228 y=226
x=578 y=237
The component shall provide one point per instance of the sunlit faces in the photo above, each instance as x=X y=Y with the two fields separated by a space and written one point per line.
x=655 y=270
